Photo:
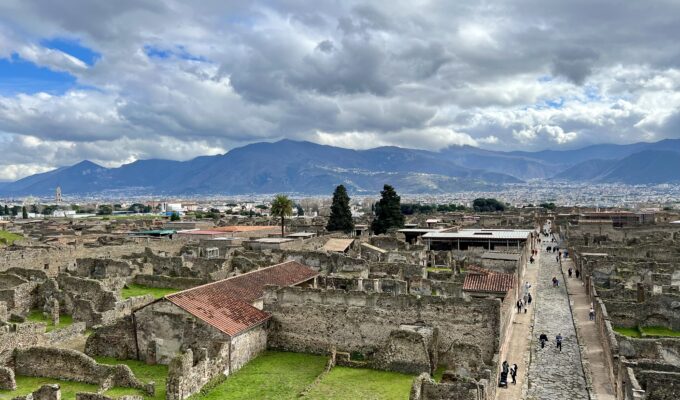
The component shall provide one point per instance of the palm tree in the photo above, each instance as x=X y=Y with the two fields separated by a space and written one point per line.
x=281 y=207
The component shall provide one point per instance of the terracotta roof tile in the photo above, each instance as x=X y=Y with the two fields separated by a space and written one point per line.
x=226 y=304
x=490 y=282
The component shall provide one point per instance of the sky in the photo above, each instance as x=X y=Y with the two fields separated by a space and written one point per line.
x=118 y=81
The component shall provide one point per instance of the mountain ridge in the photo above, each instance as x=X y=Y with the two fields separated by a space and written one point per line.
x=311 y=168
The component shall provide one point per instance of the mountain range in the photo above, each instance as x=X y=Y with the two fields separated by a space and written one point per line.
x=309 y=168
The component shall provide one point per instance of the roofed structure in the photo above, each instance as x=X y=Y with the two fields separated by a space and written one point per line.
x=337 y=245
x=227 y=304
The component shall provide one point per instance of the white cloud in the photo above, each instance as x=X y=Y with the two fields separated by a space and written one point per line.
x=176 y=80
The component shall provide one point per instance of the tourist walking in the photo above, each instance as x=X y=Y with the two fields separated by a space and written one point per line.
x=578 y=273
x=527 y=286
x=543 y=339
x=528 y=298
x=558 y=341
x=519 y=306
x=591 y=313
x=513 y=373
x=569 y=271
x=555 y=282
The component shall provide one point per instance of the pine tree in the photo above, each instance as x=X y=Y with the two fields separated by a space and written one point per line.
x=24 y=213
x=387 y=212
x=6 y=210
x=341 y=215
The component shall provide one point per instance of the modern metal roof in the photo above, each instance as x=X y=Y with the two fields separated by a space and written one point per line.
x=500 y=234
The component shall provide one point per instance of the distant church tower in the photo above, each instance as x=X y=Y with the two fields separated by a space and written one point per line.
x=57 y=195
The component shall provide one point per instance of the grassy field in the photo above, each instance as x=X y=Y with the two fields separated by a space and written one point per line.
x=8 y=237
x=138 y=290
x=272 y=375
x=647 y=331
x=146 y=373
x=38 y=316
x=659 y=331
x=356 y=383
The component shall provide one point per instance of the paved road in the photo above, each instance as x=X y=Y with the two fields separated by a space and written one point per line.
x=554 y=374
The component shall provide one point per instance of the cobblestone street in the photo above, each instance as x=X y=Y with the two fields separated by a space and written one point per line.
x=554 y=374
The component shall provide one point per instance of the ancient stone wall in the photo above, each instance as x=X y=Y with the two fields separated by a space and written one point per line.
x=247 y=346
x=312 y=321
x=189 y=372
x=159 y=281
x=115 y=340
x=14 y=336
x=163 y=330
x=75 y=366
x=451 y=387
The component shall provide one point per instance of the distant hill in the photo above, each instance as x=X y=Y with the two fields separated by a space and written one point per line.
x=309 y=168
x=645 y=167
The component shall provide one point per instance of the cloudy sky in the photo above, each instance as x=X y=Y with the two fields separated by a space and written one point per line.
x=116 y=81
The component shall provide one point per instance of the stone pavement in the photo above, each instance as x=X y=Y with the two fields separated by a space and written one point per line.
x=554 y=374
x=592 y=351
x=520 y=341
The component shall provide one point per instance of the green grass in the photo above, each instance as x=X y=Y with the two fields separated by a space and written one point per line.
x=138 y=290
x=8 y=237
x=438 y=373
x=38 y=316
x=630 y=332
x=146 y=373
x=272 y=375
x=357 y=383
x=659 y=331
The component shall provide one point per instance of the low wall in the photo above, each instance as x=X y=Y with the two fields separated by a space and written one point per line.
x=168 y=282
x=72 y=365
x=116 y=340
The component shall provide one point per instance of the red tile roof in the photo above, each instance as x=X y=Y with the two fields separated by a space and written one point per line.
x=226 y=304
x=489 y=282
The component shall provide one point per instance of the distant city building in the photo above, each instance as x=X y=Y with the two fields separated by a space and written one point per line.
x=57 y=195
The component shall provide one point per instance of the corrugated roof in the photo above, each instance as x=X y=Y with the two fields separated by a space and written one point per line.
x=509 y=234
x=200 y=232
x=226 y=304
x=492 y=283
x=335 y=244
x=245 y=228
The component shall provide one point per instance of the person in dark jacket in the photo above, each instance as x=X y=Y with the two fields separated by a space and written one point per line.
x=543 y=338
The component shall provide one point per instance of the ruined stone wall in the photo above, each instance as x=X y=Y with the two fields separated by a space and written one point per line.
x=460 y=388
x=247 y=346
x=19 y=299
x=312 y=321
x=189 y=372
x=14 y=336
x=97 y=268
x=71 y=365
x=325 y=262
x=399 y=270
x=115 y=340
x=163 y=330
x=159 y=281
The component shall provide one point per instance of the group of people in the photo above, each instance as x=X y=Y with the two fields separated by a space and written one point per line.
x=543 y=338
x=524 y=302
x=571 y=271
x=511 y=370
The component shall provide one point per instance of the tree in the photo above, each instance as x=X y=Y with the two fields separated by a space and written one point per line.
x=387 y=211
x=487 y=205
x=15 y=210
x=34 y=209
x=174 y=216
x=341 y=215
x=6 y=210
x=282 y=206
x=105 y=209
x=300 y=210
x=24 y=212
x=2 y=210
